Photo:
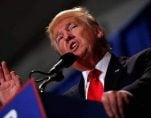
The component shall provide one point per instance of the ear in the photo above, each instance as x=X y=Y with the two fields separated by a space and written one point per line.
x=99 y=32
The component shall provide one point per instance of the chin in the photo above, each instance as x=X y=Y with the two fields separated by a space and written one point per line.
x=80 y=53
x=77 y=66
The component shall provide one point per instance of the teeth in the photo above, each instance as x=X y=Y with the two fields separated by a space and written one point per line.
x=74 y=45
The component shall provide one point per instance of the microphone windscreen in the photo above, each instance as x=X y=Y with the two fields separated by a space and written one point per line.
x=68 y=59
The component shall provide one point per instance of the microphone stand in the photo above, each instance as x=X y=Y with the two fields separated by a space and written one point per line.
x=55 y=73
x=58 y=76
x=55 y=77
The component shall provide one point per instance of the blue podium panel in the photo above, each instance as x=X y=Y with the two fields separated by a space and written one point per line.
x=26 y=104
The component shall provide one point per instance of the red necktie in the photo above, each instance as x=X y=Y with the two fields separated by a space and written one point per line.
x=95 y=90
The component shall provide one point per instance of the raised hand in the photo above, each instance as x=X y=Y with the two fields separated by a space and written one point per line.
x=10 y=83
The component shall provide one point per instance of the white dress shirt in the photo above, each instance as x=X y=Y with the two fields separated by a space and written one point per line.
x=102 y=65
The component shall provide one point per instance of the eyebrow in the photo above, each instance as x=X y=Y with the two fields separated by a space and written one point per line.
x=66 y=27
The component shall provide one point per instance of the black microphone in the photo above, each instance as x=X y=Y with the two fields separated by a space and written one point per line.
x=65 y=61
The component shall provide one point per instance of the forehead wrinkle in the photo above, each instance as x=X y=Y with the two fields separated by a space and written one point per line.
x=65 y=16
x=64 y=22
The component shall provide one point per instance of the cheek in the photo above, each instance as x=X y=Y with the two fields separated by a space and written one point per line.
x=88 y=34
x=88 y=39
x=62 y=49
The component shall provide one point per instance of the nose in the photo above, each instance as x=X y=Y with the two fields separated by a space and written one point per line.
x=68 y=36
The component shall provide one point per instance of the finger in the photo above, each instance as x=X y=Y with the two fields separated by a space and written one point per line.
x=114 y=104
x=6 y=71
x=120 y=102
x=128 y=98
x=1 y=75
x=106 y=104
x=16 y=79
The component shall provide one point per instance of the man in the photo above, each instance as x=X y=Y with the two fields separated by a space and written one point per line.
x=76 y=30
x=123 y=81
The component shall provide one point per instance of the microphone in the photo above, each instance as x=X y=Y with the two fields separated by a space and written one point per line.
x=65 y=61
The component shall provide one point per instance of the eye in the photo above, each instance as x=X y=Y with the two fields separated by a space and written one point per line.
x=59 y=38
x=72 y=26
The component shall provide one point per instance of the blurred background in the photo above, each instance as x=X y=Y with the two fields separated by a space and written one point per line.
x=24 y=44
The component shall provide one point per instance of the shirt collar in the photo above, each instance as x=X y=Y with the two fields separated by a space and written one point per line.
x=102 y=65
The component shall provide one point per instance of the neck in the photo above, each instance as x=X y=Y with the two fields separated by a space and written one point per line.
x=88 y=63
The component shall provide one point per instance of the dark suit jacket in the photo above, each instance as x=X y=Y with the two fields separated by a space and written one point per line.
x=132 y=74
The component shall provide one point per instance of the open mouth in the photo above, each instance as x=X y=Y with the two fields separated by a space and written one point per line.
x=74 y=45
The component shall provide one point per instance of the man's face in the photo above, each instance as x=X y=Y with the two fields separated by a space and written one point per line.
x=74 y=35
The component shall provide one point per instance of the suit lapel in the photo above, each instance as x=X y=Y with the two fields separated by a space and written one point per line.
x=115 y=74
x=77 y=91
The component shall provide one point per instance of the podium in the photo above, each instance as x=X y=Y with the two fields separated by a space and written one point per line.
x=29 y=104
x=26 y=104
x=57 y=106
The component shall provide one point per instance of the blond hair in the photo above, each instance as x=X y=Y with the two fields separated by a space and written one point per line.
x=77 y=12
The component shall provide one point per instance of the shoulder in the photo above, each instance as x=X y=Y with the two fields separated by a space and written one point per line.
x=144 y=55
x=140 y=60
x=145 y=52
